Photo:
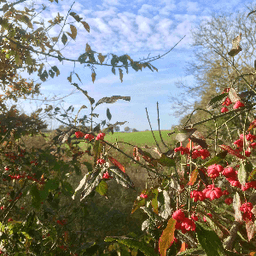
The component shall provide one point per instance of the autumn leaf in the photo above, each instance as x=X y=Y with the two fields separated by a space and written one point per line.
x=121 y=74
x=73 y=32
x=193 y=177
x=93 y=76
x=231 y=151
x=101 y=58
x=86 y=26
x=116 y=163
x=88 y=48
x=167 y=237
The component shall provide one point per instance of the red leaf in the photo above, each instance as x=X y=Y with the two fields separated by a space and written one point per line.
x=167 y=237
x=116 y=163
x=231 y=151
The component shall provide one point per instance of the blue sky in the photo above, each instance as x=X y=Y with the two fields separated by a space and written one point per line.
x=136 y=28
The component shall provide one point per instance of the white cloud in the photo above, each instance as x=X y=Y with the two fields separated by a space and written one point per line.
x=146 y=9
x=143 y=24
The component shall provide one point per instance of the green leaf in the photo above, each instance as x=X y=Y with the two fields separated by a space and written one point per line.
x=56 y=70
x=132 y=243
x=154 y=201
x=166 y=161
x=36 y=199
x=167 y=237
x=64 y=38
x=214 y=102
x=109 y=116
x=242 y=174
x=102 y=188
x=112 y=99
x=67 y=189
x=137 y=204
x=252 y=175
x=193 y=251
x=209 y=241
x=216 y=159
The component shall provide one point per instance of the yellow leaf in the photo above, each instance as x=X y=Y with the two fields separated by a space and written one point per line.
x=88 y=48
x=167 y=237
x=93 y=76
x=121 y=74
x=101 y=58
x=55 y=38
x=86 y=26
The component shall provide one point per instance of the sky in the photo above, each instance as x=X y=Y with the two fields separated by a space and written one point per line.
x=140 y=29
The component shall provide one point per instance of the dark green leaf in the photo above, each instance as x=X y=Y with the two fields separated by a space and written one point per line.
x=166 y=161
x=75 y=16
x=215 y=101
x=132 y=243
x=64 y=38
x=67 y=189
x=109 y=116
x=209 y=241
x=112 y=99
x=216 y=159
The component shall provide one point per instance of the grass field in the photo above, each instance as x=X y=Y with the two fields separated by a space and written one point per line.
x=137 y=138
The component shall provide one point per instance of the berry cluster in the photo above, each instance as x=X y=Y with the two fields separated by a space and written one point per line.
x=183 y=223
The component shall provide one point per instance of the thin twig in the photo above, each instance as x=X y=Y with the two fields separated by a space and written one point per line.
x=159 y=130
x=152 y=131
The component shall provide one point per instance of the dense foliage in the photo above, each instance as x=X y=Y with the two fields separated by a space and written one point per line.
x=199 y=198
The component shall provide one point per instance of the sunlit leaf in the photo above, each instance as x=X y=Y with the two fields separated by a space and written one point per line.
x=121 y=177
x=193 y=177
x=116 y=163
x=235 y=46
x=167 y=237
x=237 y=205
x=250 y=229
x=184 y=134
x=102 y=188
x=233 y=95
